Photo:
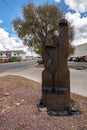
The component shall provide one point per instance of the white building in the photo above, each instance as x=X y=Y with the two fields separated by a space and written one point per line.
x=81 y=50
x=12 y=53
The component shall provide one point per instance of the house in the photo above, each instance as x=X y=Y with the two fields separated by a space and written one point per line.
x=13 y=53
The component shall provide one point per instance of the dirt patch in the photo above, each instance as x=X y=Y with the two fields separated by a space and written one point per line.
x=18 y=108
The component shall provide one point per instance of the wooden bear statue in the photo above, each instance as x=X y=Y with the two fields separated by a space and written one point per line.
x=56 y=76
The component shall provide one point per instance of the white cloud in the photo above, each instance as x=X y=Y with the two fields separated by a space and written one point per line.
x=80 y=25
x=1 y=21
x=57 y=0
x=77 y=5
x=9 y=43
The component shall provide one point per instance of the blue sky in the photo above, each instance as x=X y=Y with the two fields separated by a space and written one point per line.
x=9 y=10
x=75 y=12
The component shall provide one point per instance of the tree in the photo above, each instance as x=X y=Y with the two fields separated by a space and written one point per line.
x=37 y=23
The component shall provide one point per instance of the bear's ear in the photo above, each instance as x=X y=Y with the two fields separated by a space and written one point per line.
x=63 y=22
x=49 y=42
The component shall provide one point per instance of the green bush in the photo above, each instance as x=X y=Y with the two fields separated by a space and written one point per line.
x=40 y=62
x=15 y=59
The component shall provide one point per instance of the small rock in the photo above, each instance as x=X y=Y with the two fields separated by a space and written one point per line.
x=6 y=94
x=8 y=107
x=22 y=100
x=3 y=111
x=1 y=99
x=17 y=103
x=44 y=109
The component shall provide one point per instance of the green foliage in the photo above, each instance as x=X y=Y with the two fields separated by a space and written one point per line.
x=38 y=22
x=38 y=49
x=40 y=62
x=71 y=50
x=15 y=59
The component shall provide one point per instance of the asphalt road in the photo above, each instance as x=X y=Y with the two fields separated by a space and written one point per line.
x=16 y=65
x=77 y=65
x=78 y=77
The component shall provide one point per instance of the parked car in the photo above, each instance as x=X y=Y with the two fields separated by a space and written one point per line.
x=85 y=58
x=71 y=58
x=81 y=58
x=78 y=59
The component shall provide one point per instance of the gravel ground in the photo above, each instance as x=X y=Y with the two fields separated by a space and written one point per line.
x=18 y=108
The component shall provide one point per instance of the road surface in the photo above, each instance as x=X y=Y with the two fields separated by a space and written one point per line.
x=78 y=78
x=16 y=65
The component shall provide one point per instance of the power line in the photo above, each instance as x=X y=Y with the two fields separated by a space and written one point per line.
x=6 y=3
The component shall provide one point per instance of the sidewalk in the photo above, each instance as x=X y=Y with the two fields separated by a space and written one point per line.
x=78 y=78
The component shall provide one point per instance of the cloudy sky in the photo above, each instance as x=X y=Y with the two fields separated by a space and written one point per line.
x=76 y=13
x=74 y=10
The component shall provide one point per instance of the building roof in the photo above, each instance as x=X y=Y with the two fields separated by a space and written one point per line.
x=20 y=51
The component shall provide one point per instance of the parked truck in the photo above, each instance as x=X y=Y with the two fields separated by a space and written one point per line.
x=85 y=58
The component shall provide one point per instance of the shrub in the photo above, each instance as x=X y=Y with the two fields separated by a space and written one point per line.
x=15 y=59
x=40 y=62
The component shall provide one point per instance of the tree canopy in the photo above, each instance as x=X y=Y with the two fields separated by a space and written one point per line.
x=38 y=22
